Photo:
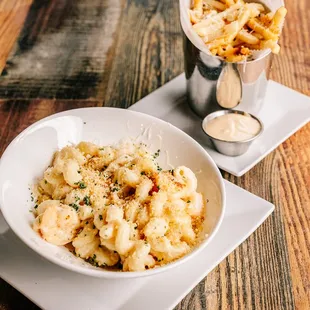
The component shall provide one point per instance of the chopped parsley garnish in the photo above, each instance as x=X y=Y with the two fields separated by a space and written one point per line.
x=86 y=200
x=36 y=206
x=188 y=201
x=81 y=184
x=115 y=189
x=156 y=154
x=158 y=259
x=100 y=217
x=74 y=206
x=101 y=149
x=142 y=173
x=159 y=169
x=92 y=260
x=45 y=181
x=77 y=198
x=79 y=171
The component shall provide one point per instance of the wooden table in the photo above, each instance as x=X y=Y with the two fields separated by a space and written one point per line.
x=73 y=54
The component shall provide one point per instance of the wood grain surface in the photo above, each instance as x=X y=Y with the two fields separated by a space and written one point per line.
x=82 y=53
x=12 y=17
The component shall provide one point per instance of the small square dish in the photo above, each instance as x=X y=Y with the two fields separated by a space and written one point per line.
x=38 y=279
x=285 y=111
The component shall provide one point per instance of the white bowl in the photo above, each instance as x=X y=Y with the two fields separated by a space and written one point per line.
x=31 y=152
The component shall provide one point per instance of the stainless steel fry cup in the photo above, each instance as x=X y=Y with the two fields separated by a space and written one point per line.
x=231 y=148
x=204 y=73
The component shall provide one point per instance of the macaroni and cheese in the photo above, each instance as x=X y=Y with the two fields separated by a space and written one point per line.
x=114 y=206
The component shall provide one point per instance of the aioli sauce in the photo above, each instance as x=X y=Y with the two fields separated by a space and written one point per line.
x=232 y=127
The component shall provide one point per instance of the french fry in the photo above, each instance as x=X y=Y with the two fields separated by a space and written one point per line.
x=218 y=17
x=236 y=58
x=270 y=15
x=254 y=24
x=257 y=35
x=256 y=8
x=232 y=16
x=273 y=45
x=265 y=44
x=213 y=28
x=233 y=29
x=229 y=2
x=276 y=49
x=197 y=7
x=213 y=36
x=230 y=51
x=205 y=30
x=246 y=37
x=278 y=20
x=220 y=51
x=265 y=20
x=236 y=42
x=217 y=43
x=241 y=21
x=210 y=13
x=193 y=17
x=216 y=4
x=213 y=52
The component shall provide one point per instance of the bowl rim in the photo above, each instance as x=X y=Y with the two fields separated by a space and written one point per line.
x=218 y=113
x=101 y=273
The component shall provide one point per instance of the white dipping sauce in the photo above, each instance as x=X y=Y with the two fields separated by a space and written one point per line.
x=232 y=127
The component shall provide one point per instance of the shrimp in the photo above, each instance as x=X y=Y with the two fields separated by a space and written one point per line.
x=59 y=224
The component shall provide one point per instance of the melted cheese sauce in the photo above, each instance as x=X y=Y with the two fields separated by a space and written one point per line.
x=232 y=127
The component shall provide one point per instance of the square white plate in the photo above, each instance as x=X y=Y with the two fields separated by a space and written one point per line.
x=54 y=288
x=284 y=112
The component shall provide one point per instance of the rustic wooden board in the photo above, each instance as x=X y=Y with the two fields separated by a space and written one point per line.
x=112 y=53
x=61 y=52
x=12 y=16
